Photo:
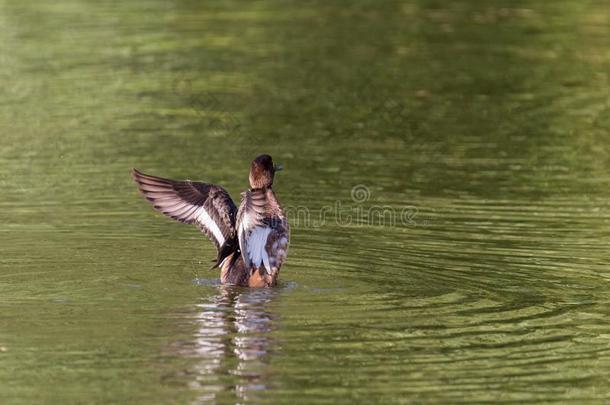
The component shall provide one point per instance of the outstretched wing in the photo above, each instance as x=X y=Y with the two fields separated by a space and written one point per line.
x=253 y=231
x=262 y=230
x=207 y=206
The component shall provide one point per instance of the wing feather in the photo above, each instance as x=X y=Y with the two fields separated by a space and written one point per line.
x=262 y=230
x=208 y=206
x=251 y=216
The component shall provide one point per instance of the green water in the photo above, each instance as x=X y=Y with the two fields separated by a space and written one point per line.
x=479 y=128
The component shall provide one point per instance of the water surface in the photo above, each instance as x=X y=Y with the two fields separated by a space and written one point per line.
x=446 y=175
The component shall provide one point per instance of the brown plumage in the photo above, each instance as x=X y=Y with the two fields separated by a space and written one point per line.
x=251 y=242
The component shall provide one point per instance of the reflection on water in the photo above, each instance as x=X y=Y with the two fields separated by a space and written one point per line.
x=232 y=339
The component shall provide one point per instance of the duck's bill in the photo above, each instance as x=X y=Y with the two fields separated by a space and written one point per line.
x=279 y=168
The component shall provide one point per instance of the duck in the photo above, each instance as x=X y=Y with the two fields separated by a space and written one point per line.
x=251 y=242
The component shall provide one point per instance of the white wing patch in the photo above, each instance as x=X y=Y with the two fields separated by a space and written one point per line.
x=204 y=218
x=256 y=247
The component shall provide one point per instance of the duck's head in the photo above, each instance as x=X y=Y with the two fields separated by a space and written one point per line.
x=262 y=171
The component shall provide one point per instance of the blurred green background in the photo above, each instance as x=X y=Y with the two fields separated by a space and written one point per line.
x=488 y=121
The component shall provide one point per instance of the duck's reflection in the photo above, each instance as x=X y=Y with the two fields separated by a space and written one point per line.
x=232 y=343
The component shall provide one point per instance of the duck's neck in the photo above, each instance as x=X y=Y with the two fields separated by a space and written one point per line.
x=260 y=189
